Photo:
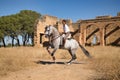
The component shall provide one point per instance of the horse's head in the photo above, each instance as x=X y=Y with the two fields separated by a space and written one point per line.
x=48 y=31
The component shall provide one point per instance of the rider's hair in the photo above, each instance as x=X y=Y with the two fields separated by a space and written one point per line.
x=64 y=20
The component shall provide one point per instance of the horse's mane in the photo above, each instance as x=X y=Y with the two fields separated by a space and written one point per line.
x=55 y=30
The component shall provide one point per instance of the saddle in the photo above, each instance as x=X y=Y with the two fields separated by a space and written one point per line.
x=63 y=41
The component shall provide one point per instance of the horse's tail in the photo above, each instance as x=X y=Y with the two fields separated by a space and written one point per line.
x=85 y=51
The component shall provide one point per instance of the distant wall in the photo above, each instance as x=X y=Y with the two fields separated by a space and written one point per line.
x=107 y=29
x=40 y=25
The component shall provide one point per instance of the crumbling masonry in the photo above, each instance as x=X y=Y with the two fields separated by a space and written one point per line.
x=107 y=29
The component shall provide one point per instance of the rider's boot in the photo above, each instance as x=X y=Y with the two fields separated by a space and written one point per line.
x=64 y=41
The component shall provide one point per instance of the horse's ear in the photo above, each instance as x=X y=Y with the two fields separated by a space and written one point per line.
x=46 y=26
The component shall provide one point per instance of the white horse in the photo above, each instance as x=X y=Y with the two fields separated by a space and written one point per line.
x=55 y=39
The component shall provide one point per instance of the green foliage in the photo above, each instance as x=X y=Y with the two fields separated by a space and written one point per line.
x=21 y=23
x=27 y=20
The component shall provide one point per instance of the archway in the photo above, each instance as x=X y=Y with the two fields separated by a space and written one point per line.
x=92 y=30
x=112 y=36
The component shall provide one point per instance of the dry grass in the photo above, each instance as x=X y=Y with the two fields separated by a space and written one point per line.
x=106 y=63
x=17 y=58
x=106 y=60
x=13 y=59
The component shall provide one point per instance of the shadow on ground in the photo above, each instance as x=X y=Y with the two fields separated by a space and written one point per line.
x=58 y=62
x=48 y=62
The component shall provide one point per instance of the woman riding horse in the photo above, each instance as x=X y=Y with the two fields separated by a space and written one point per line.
x=71 y=45
x=66 y=34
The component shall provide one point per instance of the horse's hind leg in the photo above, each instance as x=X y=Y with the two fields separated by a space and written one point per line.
x=73 y=55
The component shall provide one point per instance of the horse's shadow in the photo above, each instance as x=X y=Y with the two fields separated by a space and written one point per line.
x=50 y=62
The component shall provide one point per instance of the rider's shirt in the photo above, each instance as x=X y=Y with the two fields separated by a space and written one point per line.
x=66 y=28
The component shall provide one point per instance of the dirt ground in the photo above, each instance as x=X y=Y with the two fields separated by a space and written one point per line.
x=37 y=64
x=46 y=70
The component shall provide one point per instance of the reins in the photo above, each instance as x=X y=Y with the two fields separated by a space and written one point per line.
x=55 y=38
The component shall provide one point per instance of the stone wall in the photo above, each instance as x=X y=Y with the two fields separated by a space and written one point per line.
x=40 y=25
x=107 y=29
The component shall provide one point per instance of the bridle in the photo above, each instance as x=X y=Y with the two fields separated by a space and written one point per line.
x=55 y=38
x=52 y=35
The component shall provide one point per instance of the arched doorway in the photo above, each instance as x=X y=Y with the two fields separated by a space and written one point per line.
x=112 y=34
x=92 y=31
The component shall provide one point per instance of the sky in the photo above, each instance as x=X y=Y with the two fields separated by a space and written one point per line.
x=67 y=9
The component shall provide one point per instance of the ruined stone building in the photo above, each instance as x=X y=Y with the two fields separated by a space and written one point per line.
x=106 y=28
x=40 y=25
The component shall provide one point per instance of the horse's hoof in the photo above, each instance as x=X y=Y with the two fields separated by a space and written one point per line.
x=53 y=58
x=54 y=62
x=68 y=63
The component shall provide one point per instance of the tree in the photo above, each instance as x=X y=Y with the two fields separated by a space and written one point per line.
x=21 y=23
x=14 y=28
x=2 y=29
x=27 y=20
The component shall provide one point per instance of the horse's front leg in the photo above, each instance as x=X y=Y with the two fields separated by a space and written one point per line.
x=48 y=50
x=52 y=53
